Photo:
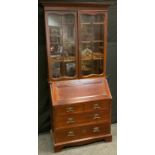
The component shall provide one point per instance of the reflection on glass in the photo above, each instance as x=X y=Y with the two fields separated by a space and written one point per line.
x=68 y=33
x=54 y=20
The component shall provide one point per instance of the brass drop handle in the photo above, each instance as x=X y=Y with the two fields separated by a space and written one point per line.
x=70 y=134
x=70 y=120
x=96 y=106
x=96 y=129
x=69 y=109
x=96 y=116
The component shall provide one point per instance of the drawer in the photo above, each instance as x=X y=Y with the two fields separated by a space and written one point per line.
x=63 y=135
x=68 y=109
x=97 y=130
x=79 y=118
x=97 y=105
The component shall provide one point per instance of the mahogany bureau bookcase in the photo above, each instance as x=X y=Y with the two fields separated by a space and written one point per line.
x=76 y=40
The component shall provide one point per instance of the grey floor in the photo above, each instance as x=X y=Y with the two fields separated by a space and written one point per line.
x=97 y=148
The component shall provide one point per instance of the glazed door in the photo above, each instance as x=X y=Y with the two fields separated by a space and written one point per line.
x=61 y=31
x=91 y=43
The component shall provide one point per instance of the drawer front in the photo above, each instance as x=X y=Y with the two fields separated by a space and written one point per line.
x=68 y=109
x=98 y=129
x=79 y=118
x=97 y=105
x=81 y=132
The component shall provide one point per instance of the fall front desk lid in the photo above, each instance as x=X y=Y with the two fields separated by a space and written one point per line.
x=80 y=90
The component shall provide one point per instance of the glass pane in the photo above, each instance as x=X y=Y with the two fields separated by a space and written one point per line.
x=56 y=49
x=86 y=18
x=55 y=40
x=68 y=19
x=85 y=45
x=98 y=32
x=86 y=54
x=70 y=69
x=92 y=67
x=56 y=70
x=54 y=20
x=86 y=50
x=99 y=18
x=98 y=49
x=86 y=32
x=91 y=44
x=55 y=31
x=87 y=67
x=62 y=45
x=68 y=33
x=99 y=68
x=69 y=49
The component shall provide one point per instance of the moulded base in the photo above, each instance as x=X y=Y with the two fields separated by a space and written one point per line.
x=59 y=146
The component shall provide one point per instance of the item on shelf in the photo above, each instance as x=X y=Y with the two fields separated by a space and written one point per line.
x=55 y=40
x=97 y=55
x=55 y=31
x=65 y=53
x=69 y=58
x=86 y=65
x=85 y=68
x=60 y=50
x=57 y=58
x=56 y=73
x=70 y=69
x=86 y=53
x=101 y=47
x=53 y=50
x=56 y=70
x=69 y=49
x=56 y=50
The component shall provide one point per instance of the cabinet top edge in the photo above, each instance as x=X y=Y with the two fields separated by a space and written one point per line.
x=88 y=4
